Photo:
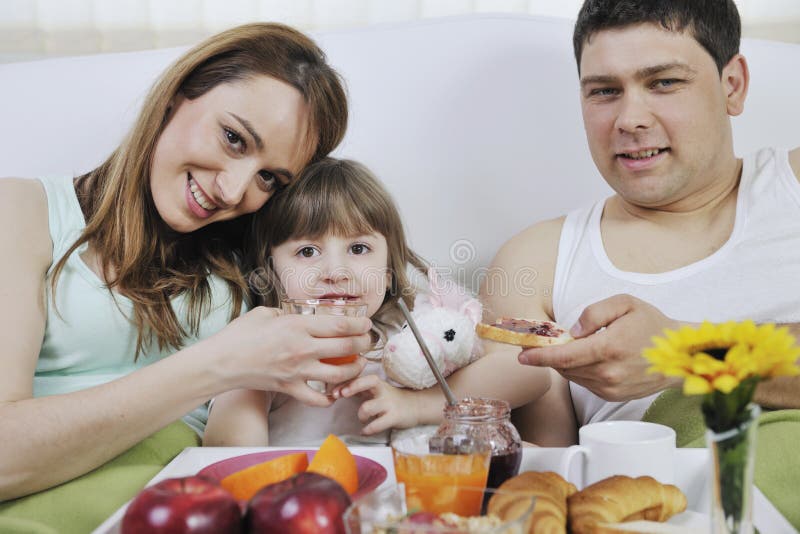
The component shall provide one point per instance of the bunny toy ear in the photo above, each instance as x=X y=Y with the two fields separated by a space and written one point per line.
x=473 y=310
x=445 y=293
x=434 y=295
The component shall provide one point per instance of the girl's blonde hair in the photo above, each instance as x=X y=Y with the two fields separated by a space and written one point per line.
x=344 y=198
x=142 y=258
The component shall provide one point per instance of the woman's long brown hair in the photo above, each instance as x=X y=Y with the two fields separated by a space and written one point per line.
x=140 y=256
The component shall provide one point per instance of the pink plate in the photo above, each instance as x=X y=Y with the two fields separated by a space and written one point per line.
x=370 y=473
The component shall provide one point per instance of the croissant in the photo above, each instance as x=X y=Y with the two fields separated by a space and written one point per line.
x=551 y=492
x=619 y=498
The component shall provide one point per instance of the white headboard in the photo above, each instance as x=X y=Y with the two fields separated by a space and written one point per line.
x=473 y=122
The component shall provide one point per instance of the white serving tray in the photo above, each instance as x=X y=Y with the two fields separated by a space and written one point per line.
x=691 y=478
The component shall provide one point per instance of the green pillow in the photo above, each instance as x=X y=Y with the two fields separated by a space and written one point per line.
x=82 y=504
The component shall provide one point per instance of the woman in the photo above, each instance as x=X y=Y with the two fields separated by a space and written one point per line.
x=117 y=287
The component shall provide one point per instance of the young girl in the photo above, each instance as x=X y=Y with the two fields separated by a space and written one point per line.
x=336 y=233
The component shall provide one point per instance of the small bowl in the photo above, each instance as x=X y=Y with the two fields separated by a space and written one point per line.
x=383 y=511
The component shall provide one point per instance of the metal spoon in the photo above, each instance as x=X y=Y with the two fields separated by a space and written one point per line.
x=451 y=399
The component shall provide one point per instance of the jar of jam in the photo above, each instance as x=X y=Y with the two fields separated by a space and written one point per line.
x=478 y=420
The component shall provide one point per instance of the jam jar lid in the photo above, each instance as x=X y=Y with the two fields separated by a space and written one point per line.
x=478 y=410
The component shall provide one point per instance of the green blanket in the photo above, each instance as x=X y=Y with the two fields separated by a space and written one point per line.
x=80 y=505
x=777 y=471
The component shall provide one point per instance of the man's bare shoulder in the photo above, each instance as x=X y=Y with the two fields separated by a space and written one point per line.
x=520 y=280
x=534 y=245
x=794 y=161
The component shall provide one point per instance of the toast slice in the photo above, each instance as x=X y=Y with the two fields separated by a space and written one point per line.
x=525 y=333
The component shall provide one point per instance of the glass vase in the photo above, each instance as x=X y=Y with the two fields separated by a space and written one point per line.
x=732 y=463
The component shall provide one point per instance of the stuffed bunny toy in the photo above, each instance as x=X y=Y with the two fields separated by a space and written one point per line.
x=446 y=318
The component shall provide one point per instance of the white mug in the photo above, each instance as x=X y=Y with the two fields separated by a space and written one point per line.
x=632 y=448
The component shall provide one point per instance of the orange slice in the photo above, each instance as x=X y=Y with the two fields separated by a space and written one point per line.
x=246 y=483
x=334 y=460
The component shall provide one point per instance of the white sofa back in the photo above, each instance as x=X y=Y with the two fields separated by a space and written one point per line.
x=473 y=122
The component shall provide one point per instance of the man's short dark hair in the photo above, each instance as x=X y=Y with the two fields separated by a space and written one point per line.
x=715 y=24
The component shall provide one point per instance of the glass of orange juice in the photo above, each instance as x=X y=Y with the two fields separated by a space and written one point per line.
x=440 y=483
x=340 y=307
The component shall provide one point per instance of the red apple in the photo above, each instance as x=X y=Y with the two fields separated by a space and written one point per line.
x=194 y=504
x=307 y=503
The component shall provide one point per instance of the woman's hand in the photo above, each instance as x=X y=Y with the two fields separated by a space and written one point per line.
x=384 y=407
x=266 y=350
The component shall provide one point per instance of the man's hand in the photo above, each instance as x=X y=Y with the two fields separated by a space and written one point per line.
x=606 y=356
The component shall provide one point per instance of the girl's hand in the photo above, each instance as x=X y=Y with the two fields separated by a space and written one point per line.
x=384 y=407
x=266 y=350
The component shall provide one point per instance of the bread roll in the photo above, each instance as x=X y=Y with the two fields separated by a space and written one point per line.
x=620 y=498
x=551 y=492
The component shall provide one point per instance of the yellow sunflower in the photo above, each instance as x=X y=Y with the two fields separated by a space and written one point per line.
x=720 y=356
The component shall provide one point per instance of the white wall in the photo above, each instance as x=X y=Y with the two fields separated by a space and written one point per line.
x=32 y=29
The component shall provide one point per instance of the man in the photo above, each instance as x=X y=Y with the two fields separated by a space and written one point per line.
x=692 y=233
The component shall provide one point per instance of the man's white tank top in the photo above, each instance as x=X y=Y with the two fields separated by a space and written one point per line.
x=754 y=275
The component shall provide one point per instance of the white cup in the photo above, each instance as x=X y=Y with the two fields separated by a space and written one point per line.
x=632 y=448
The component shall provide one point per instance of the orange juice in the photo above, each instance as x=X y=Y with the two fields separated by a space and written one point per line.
x=341 y=360
x=340 y=307
x=436 y=482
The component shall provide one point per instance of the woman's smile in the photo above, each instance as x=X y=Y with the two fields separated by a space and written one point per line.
x=198 y=200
